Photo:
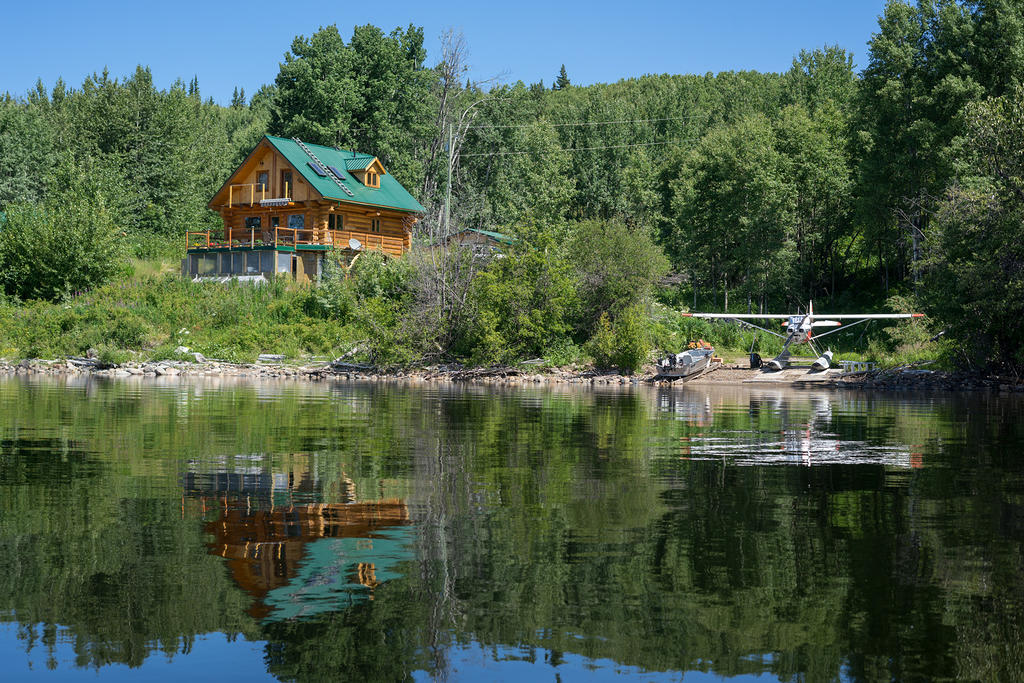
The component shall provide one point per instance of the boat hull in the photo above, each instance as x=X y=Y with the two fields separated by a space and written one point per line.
x=685 y=364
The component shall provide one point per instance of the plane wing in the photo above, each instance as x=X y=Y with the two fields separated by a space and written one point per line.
x=765 y=316
x=738 y=316
x=869 y=316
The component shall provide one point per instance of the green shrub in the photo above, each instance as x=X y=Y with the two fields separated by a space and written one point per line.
x=332 y=298
x=615 y=268
x=562 y=352
x=375 y=275
x=624 y=344
x=128 y=331
x=110 y=355
x=52 y=250
x=523 y=304
x=602 y=345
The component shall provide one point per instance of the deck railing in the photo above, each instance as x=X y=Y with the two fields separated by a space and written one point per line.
x=251 y=194
x=290 y=237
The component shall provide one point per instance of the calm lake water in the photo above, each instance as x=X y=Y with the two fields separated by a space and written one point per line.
x=333 y=532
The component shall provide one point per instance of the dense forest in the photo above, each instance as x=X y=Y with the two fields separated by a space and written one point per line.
x=902 y=182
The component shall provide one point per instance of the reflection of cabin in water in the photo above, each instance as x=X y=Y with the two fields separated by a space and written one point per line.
x=292 y=553
x=290 y=202
x=277 y=555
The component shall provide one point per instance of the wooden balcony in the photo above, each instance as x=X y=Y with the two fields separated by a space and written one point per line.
x=256 y=194
x=233 y=238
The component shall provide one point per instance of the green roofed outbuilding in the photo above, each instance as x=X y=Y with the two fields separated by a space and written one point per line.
x=482 y=241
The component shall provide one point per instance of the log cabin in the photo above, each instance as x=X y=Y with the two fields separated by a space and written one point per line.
x=290 y=202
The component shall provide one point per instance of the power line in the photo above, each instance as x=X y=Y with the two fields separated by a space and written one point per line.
x=572 y=123
x=579 y=149
x=588 y=123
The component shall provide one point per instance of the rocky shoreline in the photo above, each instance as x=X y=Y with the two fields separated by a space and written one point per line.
x=313 y=371
x=893 y=379
x=912 y=379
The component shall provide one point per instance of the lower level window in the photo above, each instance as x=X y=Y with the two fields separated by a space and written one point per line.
x=208 y=264
x=284 y=262
x=267 y=261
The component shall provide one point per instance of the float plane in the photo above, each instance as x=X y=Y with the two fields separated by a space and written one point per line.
x=799 y=330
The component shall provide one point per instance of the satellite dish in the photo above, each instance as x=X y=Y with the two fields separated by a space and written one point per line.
x=354 y=244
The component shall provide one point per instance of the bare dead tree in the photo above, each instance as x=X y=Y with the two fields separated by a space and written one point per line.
x=456 y=111
x=450 y=71
x=444 y=277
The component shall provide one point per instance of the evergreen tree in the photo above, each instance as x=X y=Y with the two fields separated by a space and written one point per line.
x=562 y=82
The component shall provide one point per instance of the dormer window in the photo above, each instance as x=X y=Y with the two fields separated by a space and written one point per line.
x=372 y=179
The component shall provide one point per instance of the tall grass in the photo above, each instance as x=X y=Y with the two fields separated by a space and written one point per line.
x=149 y=316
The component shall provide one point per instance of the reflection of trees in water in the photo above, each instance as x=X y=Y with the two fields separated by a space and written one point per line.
x=802 y=563
x=549 y=519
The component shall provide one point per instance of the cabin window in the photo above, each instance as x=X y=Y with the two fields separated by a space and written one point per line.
x=193 y=264
x=297 y=221
x=253 y=222
x=267 y=261
x=375 y=224
x=252 y=262
x=208 y=264
x=284 y=262
x=237 y=263
x=275 y=221
x=372 y=179
x=262 y=180
x=286 y=184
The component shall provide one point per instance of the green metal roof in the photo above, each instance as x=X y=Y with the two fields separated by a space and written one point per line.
x=390 y=194
x=507 y=239
x=323 y=582
x=358 y=162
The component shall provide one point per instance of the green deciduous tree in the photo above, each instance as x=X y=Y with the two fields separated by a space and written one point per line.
x=524 y=304
x=734 y=205
x=372 y=94
x=615 y=268
x=65 y=245
x=26 y=152
x=976 y=285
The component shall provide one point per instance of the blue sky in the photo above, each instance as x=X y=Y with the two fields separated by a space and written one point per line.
x=225 y=45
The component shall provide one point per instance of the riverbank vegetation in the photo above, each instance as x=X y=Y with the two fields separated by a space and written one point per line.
x=898 y=184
